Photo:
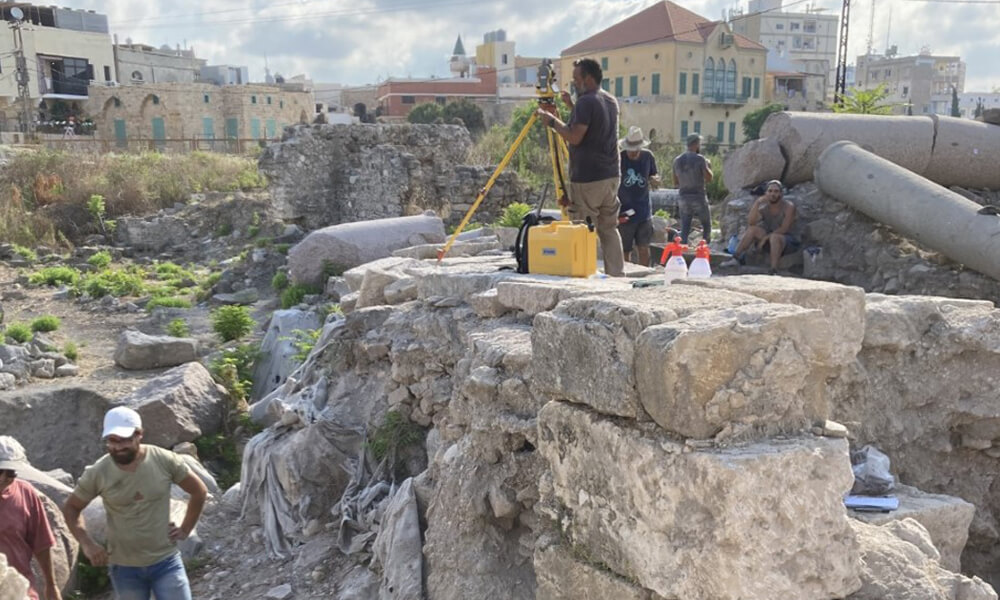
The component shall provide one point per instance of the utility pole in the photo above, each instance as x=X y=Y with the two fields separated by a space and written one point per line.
x=840 y=86
x=22 y=76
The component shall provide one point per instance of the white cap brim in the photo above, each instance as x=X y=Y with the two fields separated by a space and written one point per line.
x=122 y=432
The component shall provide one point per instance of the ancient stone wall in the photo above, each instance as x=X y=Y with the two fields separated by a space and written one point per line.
x=328 y=174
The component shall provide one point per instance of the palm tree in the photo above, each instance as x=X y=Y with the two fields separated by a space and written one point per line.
x=864 y=102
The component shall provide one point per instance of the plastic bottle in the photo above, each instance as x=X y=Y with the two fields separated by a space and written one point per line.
x=674 y=265
x=701 y=267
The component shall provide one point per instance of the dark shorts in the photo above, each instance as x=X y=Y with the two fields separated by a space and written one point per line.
x=639 y=234
x=792 y=244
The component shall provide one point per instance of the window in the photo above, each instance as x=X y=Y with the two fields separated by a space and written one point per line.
x=604 y=63
x=619 y=84
x=779 y=26
x=888 y=73
x=694 y=83
x=756 y=87
x=720 y=131
x=797 y=42
x=281 y=104
x=809 y=26
x=808 y=43
x=655 y=85
x=682 y=84
x=732 y=133
x=746 y=87
x=268 y=99
x=906 y=90
x=136 y=76
x=709 y=76
x=720 y=77
x=156 y=99
x=794 y=26
x=253 y=99
x=731 y=79
x=503 y=59
x=684 y=129
x=206 y=98
x=118 y=102
x=409 y=100
x=606 y=85
x=633 y=85
x=697 y=126
x=107 y=73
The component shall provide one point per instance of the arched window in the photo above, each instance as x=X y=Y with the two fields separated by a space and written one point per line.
x=709 y=76
x=731 y=79
x=136 y=76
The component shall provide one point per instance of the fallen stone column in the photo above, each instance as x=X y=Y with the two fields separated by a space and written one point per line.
x=348 y=245
x=965 y=154
x=926 y=213
x=904 y=141
x=754 y=162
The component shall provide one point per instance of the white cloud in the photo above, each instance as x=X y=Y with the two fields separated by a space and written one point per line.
x=357 y=41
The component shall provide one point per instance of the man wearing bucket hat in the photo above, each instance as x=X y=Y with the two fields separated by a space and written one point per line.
x=635 y=218
x=133 y=479
x=691 y=173
x=24 y=529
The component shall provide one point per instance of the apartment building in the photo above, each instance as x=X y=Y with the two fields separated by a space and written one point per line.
x=675 y=73
x=396 y=97
x=141 y=63
x=806 y=39
x=920 y=84
x=65 y=50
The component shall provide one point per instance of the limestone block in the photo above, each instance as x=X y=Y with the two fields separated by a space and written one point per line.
x=758 y=521
x=354 y=277
x=755 y=162
x=964 y=154
x=372 y=291
x=585 y=349
x=899 y=561
x=905 y=141
x=13 y=585
x=180 y=405
x=277 y=350
x=843 y=306
x=533 y=294
x=760 y=367
x=897 y=322
x=138 y=351
x=352 y=244
x=487 y=304
x=946 y=519
x=562 y=577
x=401 y=290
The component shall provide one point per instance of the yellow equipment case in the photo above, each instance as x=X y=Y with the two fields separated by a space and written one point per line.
x=562 y=248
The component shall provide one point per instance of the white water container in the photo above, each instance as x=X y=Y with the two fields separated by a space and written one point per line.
x=676 y=268
x=701 y=267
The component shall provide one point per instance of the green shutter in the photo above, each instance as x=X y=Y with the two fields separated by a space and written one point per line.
x=619 y=84
x=606 y=85
x=604 y=63
x=121 y=140
x=633 y=85
x=208 y=128
x=720 y=131
x=756 y=87
x=655 y=87
x=684 y=129
x=272 y=129
x=697 y=126
x=694 y=83
x=732 y=133
x=255 y=128
x=682 y=84
x=232 y=128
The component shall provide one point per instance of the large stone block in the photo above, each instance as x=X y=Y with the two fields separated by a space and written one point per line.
x=946 y=519
x=897 y=322
x=179 y=406
x=562 y=577
x=752 y=367
x=585 y=349
x=533 y=294
x=843 y=306
x=755 y=162
x=138 y=351
x=759 y=521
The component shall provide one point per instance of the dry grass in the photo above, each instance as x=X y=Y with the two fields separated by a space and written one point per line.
x=44 y=194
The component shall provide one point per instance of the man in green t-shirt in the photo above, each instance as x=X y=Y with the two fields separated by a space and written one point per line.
x=133 y=480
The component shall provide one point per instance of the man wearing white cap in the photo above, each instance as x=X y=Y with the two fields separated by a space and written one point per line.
x=639 y=174
x=133 y=479
x=24 y=528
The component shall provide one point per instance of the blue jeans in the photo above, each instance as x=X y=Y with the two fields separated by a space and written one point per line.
x=166 y=579
x=695 y=208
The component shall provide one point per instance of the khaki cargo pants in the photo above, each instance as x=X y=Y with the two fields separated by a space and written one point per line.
x=599 y=201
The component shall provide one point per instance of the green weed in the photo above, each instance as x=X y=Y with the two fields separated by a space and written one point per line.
x=46 y=323
x=53 y=276
x=232 y=322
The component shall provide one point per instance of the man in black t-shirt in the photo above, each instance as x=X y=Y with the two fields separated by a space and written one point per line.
x=691 y=172
x=592 y=135
x=639 y=174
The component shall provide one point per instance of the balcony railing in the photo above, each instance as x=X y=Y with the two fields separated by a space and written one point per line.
x=723 y=98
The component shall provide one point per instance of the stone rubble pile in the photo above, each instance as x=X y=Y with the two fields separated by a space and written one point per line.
x=584 y=438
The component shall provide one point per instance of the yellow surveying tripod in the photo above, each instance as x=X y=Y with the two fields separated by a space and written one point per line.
x=558 y=153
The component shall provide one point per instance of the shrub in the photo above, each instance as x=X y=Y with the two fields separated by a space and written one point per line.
x=395 y=434
x=18 y=332
x=178 y=328
x=232 y=322
x=279 y=281
x=304 y=341
x=282 y=248
x=55 y=276
x=294 y=294
x=26 y=253
x=114 y=282
x=46 y=323
x=513 y=214
x=168 y=302
x=754 y=120
x=100 y=260
x=428 y=112
x=70 y=351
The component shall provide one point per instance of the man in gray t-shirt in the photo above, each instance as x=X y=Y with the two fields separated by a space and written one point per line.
x=691 y=172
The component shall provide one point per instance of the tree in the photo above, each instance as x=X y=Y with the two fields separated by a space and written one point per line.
x=864 y=102
x=955 y=112
x=468 y=113
x=754 y=120
x=425 y=113
x=979 y=108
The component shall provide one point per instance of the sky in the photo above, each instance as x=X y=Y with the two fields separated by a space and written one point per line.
x=357 y=42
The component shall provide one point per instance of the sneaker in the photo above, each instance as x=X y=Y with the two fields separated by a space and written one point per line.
x=772 y=272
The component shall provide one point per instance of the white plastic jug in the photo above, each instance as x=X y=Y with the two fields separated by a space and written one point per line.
x=700 y=269
x=676 y=268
